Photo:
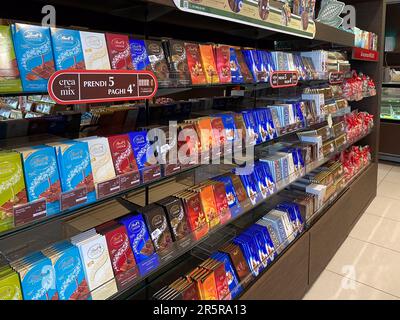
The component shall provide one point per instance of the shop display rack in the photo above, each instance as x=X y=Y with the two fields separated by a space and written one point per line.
x=325 y=229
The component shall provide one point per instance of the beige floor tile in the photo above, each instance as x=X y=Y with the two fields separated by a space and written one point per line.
x=389 y=189
x=376 y=230
x=383 y=170
x=368 y=264
x=385 y=208
x=331 y=286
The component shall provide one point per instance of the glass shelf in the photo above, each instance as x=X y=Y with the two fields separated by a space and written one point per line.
x=125 y=281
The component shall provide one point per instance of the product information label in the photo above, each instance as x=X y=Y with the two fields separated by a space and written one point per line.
x=83 y=86
x=284 y=79
x=73 y=198
x=29 y=212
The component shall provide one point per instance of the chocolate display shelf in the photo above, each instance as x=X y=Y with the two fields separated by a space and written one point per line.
x=180 y=248
x=30 y=212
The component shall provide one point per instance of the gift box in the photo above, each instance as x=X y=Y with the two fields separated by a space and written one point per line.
x=158 y=62
x=140 y=58
x=95 y=51
x=74 y=167
x=67 y=48
x=119 y=51
x=122 y=154
x=34 y=55
x=42 y=179
x=12 y=187
x=70 y=278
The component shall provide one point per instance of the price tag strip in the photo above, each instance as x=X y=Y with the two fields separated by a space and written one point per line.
x=26 y=213
x=73 y=198
x=85 y=86
x=121 y=183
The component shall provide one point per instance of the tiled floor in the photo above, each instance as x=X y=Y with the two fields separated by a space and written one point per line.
x=367 y=264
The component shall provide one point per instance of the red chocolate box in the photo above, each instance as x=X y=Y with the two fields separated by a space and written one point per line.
x=119 y=51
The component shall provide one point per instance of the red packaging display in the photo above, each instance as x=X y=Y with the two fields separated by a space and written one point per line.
x=221 y=202
x=222 y=58
x=122 y=154
x=121 y=255
x=194 y=63
x=119 y=51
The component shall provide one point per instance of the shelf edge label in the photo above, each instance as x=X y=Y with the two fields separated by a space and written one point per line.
x=284 y=79
x=97 y=86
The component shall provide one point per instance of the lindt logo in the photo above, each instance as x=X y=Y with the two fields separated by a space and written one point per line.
x=95 y=251
x=154 y=48
x=67 y=39
x=97 y=150
x=178 y=48
x=157 y=221
x=118 y=239
x=68 y=264
x=139 y=140
x=119 y=44
x=120 y=144
x=137 y=48
x=39 y=161
x=76 y=155
x=6 y=168
x=93 y=42
x=33 y=36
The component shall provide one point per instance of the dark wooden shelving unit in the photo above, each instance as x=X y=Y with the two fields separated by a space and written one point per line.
x=296 y=270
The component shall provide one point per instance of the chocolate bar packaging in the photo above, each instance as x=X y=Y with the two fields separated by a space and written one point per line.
x=10 y=288
x=119 y=51
x=122 y=260
x=221 y=281
x=144 y=156
x=241 y=192
x=236 y=73
x=244 y=68
x=100 y=159
x=179 y=64
x=195 y=65
x=228 y=121
x=255 y=63
x=250 y=185
x=231 y=275
x=233 y=202
x=208 y=62
x=176 y=217
x=67 y=48
x=205 y=281
x=95 y=51
x=37 y=276
x=222 y=60
x=70 y=278
x=239 y=262
x=74 y=166
x=158 y=62
x=97 y=264
x=250 y=252
x=9 y=74
x=221 y=201
x=12 y=187
x=157 y=224
x=196 y=216
x=209 y=205
x=264 y=242
x=139 y=237
x=252 y=133
x=140 y=59
x=122 y=154
x=41 y=176
x=34 y=55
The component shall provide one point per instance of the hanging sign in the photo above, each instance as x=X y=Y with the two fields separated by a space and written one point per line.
x=256 y=13
x=284 y=79
x=85 y=86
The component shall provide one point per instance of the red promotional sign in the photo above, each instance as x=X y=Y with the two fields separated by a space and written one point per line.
x=86 y=86
x=365 y=54
x=284 y=79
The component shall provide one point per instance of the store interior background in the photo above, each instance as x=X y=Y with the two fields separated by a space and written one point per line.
x=352 y=251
